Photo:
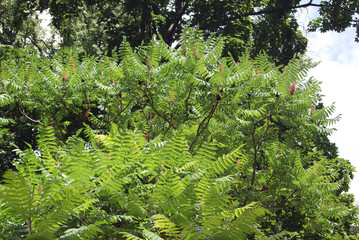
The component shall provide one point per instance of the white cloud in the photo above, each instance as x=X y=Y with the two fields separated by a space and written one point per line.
x=339 y=74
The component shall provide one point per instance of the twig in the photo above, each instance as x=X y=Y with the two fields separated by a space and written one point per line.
x=208 y=118
x=149 y=97
x=121 y=111
x=186 y=103
x=275 y=10
x=24 y=114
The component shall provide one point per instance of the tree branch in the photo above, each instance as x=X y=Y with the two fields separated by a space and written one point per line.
x=121 y=111
x=208 y=118
x=256 y=146
x=186 y=103
x=22 y=111
x=275 y=10
x=144 y=18
x=149 y=97
x=172 y=29
x=266 y=131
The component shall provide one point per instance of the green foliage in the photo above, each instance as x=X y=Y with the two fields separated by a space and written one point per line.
x=162 y=143
x=55 y=186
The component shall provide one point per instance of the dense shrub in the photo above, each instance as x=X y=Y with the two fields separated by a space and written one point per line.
x=180 y=144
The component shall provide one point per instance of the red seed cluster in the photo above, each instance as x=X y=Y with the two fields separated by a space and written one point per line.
x=314 y=108
x=185 y=47
x=292 y=88
x=195 y=52
x=73 y=63
x=87 y=114
x=172 y=96
x=148 y=61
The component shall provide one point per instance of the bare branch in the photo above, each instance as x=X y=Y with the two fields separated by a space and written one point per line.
x=276 y=10
x=32 y=120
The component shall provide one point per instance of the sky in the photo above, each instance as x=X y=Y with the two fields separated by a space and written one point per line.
x=338 y=71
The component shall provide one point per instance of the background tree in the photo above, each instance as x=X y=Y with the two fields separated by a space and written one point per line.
x=99 y=26
x=20 y=28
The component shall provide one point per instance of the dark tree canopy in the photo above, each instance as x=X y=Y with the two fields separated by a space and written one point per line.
x=99 y=26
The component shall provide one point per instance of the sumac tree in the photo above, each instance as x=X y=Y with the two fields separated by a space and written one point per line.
x=176 y=143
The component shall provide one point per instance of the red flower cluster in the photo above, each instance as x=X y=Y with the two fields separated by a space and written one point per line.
x=87 y=114
x=64 y=77
x=172 y=96
x=314 y=108
x=145 y=136
x=195 y=52
x=113 y=81
x=185 y=48
x=73 y=63
x=149 y=62
x=292 y=88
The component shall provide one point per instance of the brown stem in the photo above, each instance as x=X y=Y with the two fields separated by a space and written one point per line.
x=104 y=108
x=70 y=109
x=48 y=110
x=29 y=225
x=86 y=100
x=267 y=184
x=289 y=132
x=53 y=115
x=208 y=119
x=186 y=103
x=256 y=146
x=266 y=131
x=255 y=155
x=32 y=120
x=150 y=99
x=121 y=111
